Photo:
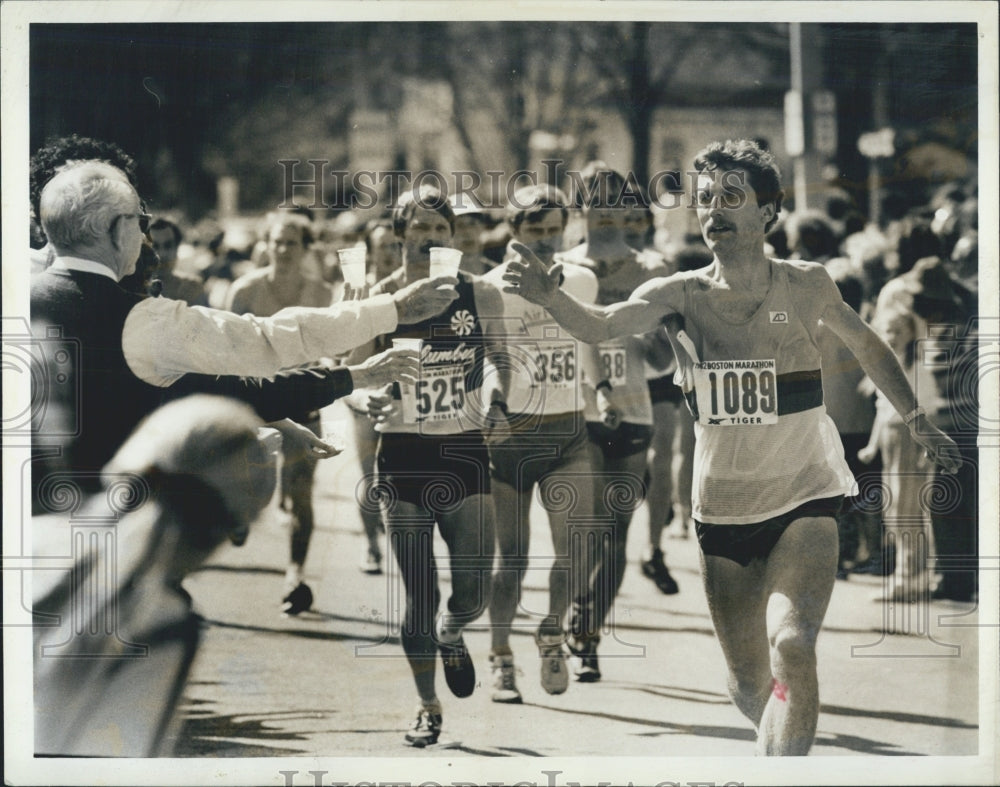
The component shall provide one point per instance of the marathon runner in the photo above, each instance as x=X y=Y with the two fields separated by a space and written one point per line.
x=769 y=467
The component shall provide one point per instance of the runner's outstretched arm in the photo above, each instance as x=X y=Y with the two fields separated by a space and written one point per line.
x=882 y=366
x=529 y=278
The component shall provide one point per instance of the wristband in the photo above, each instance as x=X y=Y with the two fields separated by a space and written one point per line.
x=913 y=415
x=604 y=384
x=501 y=405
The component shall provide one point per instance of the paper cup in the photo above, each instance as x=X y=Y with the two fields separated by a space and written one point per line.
x=444 y=261
x=352 y=263
x=334 y=431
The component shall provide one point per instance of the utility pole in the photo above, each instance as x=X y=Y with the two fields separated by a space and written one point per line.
x=810 y=114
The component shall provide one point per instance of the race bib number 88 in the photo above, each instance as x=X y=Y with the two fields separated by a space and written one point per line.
x=736 y=393
x=614 y=362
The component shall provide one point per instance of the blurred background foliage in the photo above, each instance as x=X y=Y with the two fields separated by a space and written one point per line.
x=197 y=102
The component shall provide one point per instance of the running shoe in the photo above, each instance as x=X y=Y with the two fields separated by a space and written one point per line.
x=587 y=669
x=555 y=673
x=298 y=600
x=681 y=524
x=425 y=730
x=459 y=671
x=504 y=688
x=371 y=562
x=656 y=570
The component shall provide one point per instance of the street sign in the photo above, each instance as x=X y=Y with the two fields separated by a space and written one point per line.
x=824 y=129
x=795 y=135
x=877 y=144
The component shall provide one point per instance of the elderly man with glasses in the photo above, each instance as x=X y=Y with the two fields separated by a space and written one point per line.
x=126 y=349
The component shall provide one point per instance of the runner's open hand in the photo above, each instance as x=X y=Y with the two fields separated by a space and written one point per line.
x=529 y=278
x=941 y=449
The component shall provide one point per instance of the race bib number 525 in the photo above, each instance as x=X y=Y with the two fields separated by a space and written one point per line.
x=736 y=393
x=439 y=395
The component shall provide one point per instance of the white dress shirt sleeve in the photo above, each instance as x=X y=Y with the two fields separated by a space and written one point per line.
x=164 y=339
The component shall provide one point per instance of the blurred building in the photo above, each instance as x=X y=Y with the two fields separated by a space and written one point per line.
x=199 y=103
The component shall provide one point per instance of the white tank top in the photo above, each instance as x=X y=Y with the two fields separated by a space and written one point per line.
x=765 y=444
x=544 y=359
x=622 y=361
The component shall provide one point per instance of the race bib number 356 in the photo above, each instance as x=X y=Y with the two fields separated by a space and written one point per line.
x=736 y=393
x=555 y=364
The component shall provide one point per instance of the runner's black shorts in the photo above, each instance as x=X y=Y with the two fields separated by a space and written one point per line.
x=745 y=543
x=664 y=389
x=526 y=457
x=433 y=472
x=627 y=439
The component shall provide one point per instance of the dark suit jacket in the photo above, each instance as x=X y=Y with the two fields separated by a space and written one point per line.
x=108 y=400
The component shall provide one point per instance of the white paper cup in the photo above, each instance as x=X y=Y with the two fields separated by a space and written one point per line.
x=352 y=263
x=334 y=431
x=444 y=261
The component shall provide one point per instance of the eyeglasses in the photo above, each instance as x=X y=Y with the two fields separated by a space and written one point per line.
x=144 y=219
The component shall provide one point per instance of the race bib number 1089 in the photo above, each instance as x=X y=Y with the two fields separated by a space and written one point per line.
x=736 y=393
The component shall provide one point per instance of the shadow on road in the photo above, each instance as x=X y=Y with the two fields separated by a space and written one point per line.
x=862 y=745
x=661 y=727
x=332 y=636
x=906 y=718
x=235 y=569
x=658 y=727
x=681 y=693
x=202 y=734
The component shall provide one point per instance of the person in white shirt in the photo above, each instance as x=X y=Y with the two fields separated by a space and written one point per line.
x=130 y=347
x=539 y=438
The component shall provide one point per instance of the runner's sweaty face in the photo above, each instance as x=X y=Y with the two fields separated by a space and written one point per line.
x=543 y=236
x=727 y=209
x=285 y=246
x=426 y=229
x=468 y=229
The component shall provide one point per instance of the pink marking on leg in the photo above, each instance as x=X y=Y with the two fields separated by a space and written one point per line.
x=779 y=690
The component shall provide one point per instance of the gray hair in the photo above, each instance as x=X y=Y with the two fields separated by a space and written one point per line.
x=81 y=202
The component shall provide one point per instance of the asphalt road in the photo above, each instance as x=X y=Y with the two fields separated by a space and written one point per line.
x=333 y=682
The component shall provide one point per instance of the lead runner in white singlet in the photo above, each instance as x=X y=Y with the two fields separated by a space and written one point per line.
x=768 y=563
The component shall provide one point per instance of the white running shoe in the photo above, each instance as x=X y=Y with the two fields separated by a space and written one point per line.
x=504 y=688
x=425 y=730
x=371 y=561
x=554 y=672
